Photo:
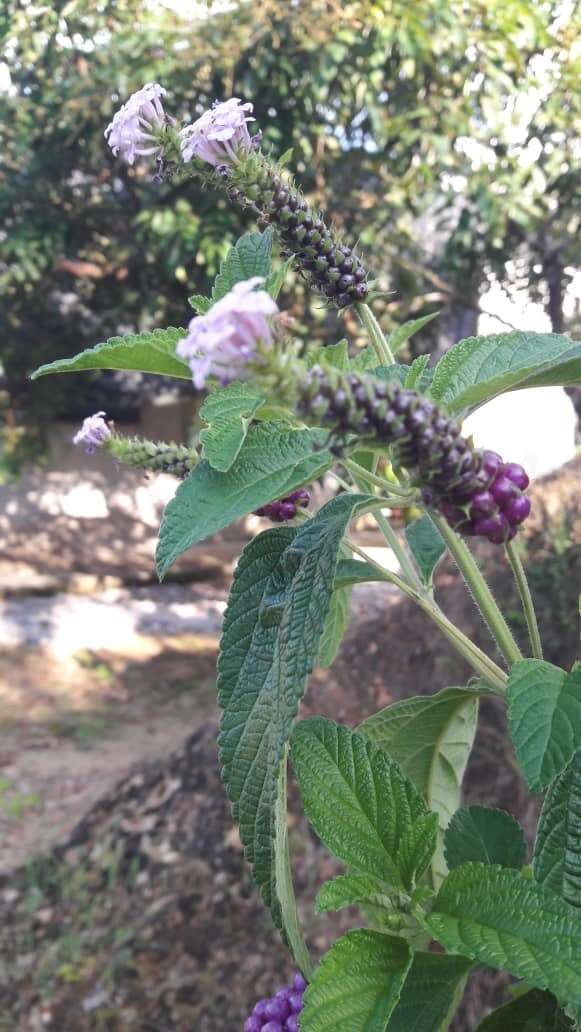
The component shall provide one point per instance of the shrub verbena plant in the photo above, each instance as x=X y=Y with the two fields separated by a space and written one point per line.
x=383 y=797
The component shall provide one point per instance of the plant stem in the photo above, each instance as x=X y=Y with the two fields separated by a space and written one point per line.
x=284 y=879
x=376 y=335
x=526 y=598
x=481 y=663
x=482 y=594
x=407 y=567
x=359 y=472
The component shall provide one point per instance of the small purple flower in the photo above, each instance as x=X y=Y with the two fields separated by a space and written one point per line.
x=222 y=342
x=279 y=1013
x=93 y=433
x=135 y=128
x=220 y=135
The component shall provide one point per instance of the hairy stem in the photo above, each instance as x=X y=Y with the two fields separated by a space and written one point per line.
x=376 y=335
x=478 y=660
x=407 y=567
x=359 y=472
x=526 y=598
x=284 y=879
x=482 y=594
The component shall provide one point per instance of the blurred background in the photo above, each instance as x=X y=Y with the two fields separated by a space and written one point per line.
x=443 y=136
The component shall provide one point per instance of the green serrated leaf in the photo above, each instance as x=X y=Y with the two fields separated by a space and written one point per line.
x=335 y=626
x=150 y=352
x=275 y=280
x=355 y=571
x=397 y=372
x=426 y=545
x=249 y=257
x=544 y=718
x=228 y=413
x=490 y=836
x=200 y=304
x=535 y=1011
x=498 y=917
x=359 y=802
x=419 y=376
x=357 y=984
x=431 y=993
x=431 y=738
x=398 y=338
x=272 y=628
x=478 y=369
x=271 y=463
x=557 y=853
x=348 y=889
x=364 y=360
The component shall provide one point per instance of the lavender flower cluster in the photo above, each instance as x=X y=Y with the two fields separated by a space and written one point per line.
x=279 y=1013
x=286 y=508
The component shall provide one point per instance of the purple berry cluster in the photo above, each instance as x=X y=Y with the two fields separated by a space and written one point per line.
x=327 y=264
x=496 y=509
x=279 y=1013
x=286 y=508
x=476 y=491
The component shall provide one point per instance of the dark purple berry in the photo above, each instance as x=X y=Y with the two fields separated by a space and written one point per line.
x=299 y=982
x=260 y=1010
x=482 y=504
x=517 y=510
x=495 y=528
x=296 y=1001
x=292 y=1024
x=517 y=474
x=491 y=463
x=278 y=1009
x=273 y=1026
x=286 y=511
x=452 y=513
x=503 y=490
x=252 y=1024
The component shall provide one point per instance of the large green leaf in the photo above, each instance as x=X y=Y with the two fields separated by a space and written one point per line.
x=348 y=889
x=271 y=462
x=272 y=627
x=335 y=626
x=431 y=993
x=228 y=414
x=479 y=833
x=431 y=738
x=544 y=718
x=478 y=369
x=557 y=855
x=535 y=1011
x=498 y=917
x=150 y=352
x=427 y=546
x=360 y=804
x=249 y=257
x=357 y=984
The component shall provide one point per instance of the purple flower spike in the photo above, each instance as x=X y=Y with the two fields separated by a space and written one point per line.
x=220 y=136
x=135 y=128
x=224 y=341
x=517 y=474
x=93 y=433
x=280 y=1012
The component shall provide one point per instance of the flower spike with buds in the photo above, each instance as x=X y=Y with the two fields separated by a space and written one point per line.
x=478 y=494
x=220 y=135
x=93 y=433
x=138 y=126
x=286 y=508
x=224 y=341
x=221 y=138
x=279 y=1013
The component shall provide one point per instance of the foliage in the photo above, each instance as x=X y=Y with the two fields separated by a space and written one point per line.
x=385 y=798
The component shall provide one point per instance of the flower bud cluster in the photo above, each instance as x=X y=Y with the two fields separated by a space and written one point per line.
x=286 y=508
x=330 y=266
x=156 y=456
x=476 y=492
x=279 y=1013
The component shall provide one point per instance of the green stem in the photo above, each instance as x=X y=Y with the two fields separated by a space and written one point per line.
x=284 y=879
x=359 y=472
x=376 y=335
x=526 y=598
x=478 y=660
x=482 y=594
x=407 y=567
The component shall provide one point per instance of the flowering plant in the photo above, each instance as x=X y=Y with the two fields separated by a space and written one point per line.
x=384 y=797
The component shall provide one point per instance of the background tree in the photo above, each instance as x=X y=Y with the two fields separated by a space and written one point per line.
x=449 y=123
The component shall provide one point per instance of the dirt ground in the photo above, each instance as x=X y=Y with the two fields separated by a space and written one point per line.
x=143 y=915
